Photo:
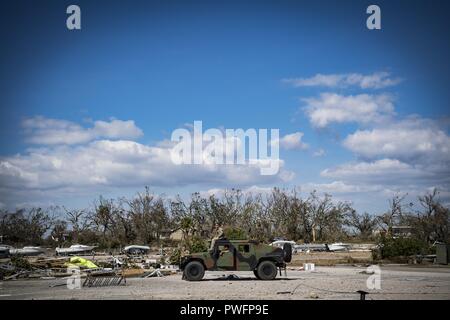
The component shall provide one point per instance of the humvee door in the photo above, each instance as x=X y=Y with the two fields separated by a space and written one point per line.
x=245 y=257
x=226 y=258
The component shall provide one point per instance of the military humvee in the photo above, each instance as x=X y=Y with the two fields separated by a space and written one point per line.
x=237 y=255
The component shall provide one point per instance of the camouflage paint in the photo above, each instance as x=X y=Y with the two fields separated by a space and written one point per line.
x=235 y=259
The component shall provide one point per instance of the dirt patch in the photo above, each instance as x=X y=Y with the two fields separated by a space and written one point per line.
x=332 y=258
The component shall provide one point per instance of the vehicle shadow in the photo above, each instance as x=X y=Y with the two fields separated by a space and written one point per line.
x=233 y=277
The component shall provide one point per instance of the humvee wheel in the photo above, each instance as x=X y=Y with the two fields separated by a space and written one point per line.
x=267 y=270
x=255 y=272
x=287 y=250
x=194 y=271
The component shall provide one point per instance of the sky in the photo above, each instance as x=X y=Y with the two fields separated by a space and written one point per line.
x=363 y=114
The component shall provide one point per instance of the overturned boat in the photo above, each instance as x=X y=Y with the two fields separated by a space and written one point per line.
x=339 y=246
x=281 y=243
x=4 y=251
x=26 y=251
x=309 y=247
x=136 y=249
x=74 y=249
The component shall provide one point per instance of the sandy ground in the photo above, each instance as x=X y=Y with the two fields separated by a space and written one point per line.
x=397 y=282
x=331 y=258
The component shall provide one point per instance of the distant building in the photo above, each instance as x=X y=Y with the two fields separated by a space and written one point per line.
x=176 y=235
x=401 y=231
x=165 y=234
x=397 y=232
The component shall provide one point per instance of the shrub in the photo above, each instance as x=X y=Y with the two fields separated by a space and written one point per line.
x=174 y=258
x=198 y=245
x=396 y=247
x=235 y=234
x=376 y=254
x=21 y=263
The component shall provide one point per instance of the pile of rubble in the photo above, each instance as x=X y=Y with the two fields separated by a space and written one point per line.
x=21 y=267
x=50 y=267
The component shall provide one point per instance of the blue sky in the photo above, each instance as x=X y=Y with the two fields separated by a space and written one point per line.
x=231 y=64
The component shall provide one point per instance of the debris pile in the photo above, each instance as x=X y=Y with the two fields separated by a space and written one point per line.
x=96 y=269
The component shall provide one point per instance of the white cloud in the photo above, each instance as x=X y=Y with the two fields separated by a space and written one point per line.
x=252 y=190
x=413 y=139
x=117 y=129
x=45 y=131
x=71 y=163
x=116 y=163
x=330 y=80
x=76 y=160
x=409 y=156
x=341 y=187
x=293 y=141
x=376 y=80
x=362 y=108
x=391 y=172
x=319 y=153
x=378 y=168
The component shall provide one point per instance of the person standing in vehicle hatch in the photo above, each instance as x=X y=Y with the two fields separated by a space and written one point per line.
x=218 y=234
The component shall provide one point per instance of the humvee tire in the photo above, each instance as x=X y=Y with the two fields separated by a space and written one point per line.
x=194 y=271
x=287 y=249
x=255 y=272
x=267 y=270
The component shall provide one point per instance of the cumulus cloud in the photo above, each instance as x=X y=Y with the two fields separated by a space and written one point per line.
x=319 y=153
x=341 y=187
x=252 y=190
x=293 y=141
x=411 y=155
x=413 y=139
x=74 y=160
x=390 y=172
x=375 y=80
x=408 y=155
x=377 y=169
x=116 y=163
x=362 y=108
x=45 y=131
